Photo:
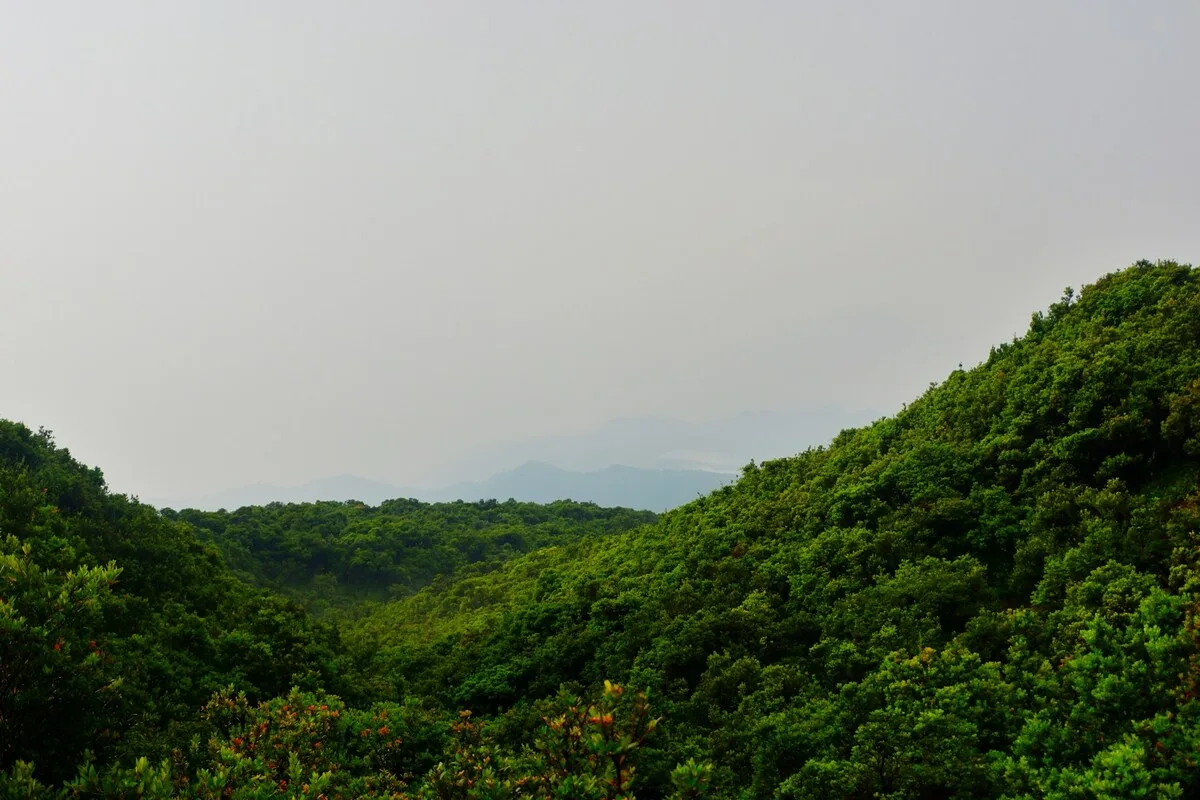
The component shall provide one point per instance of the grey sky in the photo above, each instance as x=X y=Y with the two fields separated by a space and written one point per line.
x=273 y=241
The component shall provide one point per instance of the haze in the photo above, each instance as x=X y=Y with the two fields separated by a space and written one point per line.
x=276 y=241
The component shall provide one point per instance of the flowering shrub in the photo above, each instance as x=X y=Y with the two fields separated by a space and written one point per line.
x=582 y=752
x=309 y=746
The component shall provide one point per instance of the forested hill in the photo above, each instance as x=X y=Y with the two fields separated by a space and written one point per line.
x=331 y=551
x=134 y=662
x=117 y=625
x=991 y=594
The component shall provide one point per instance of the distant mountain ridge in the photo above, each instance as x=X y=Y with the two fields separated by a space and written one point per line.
x=652 y=463
x=662 y=442
x=536 y=482
x=617 y=485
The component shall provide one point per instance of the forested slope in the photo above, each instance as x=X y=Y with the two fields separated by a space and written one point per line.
x=339 y=552
x=991 y=594
x=135 y=663
x=116 y=624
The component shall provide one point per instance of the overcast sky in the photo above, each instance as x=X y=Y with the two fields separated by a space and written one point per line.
x=273 y=241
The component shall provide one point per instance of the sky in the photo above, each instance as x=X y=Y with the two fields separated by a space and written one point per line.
x=274 y=241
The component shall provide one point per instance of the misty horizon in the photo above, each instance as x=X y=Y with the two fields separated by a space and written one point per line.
x=277 y=242
x=662 y=449
x=409 y=399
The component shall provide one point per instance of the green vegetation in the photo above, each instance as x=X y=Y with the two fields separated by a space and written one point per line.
x=135 y=663
x=326 y=551
x=995 y=593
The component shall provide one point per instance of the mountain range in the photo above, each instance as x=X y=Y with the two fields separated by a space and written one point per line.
x=652 y=462
x=538 y=482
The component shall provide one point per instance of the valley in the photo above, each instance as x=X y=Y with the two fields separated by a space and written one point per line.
x=990 y=593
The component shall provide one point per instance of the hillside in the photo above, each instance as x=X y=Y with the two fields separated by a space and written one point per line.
x=992 y=593
x=117 y=624
x=338 y=552
x=989 y=594
x=134 y=662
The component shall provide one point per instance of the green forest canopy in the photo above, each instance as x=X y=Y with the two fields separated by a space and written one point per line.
x=991 y=594
x=325 y=552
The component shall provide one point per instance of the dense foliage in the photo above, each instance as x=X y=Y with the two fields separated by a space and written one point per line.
x=991 y=594
x=350 y=550
x=116 y=624
x=994 y=593
x=133 y=662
